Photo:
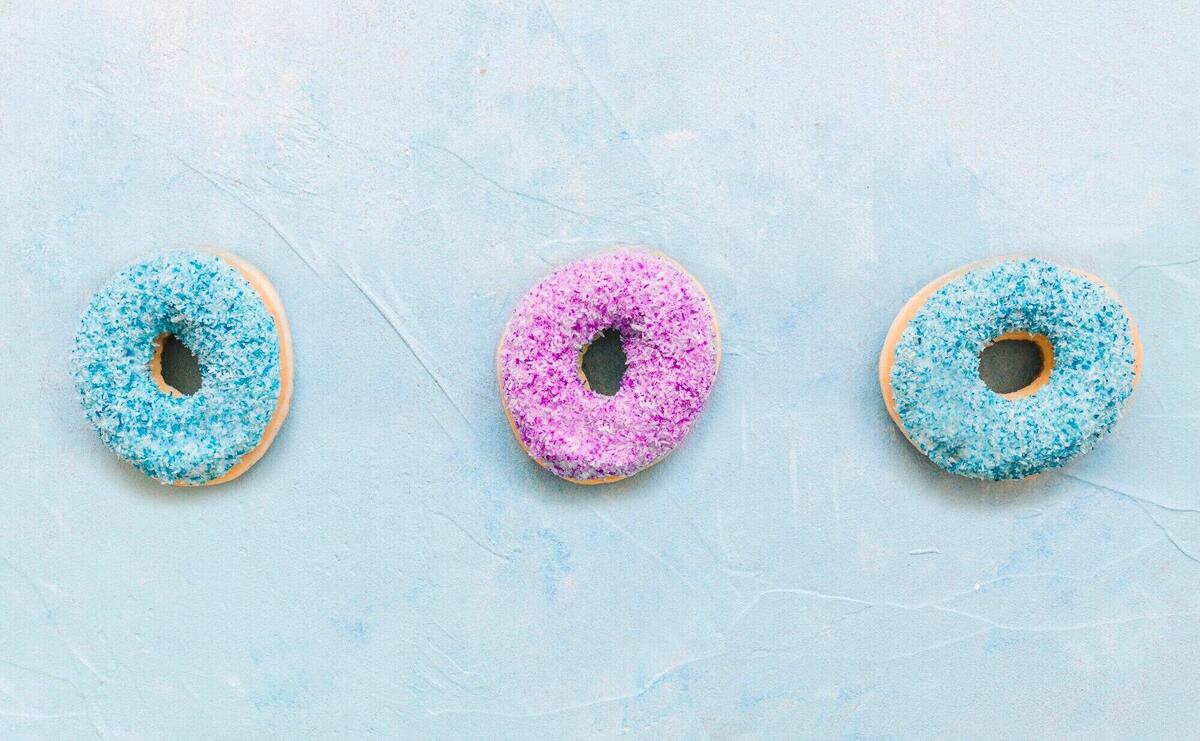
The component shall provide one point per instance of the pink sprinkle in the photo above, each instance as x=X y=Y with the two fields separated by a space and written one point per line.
x=669 y=332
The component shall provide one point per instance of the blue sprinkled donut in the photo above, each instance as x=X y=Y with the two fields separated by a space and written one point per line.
x=929 y=367
x=228 y=314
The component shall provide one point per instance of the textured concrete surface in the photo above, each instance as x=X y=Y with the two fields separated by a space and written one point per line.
x=403 y=172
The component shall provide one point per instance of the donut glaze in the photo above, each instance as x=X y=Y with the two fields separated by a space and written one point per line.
x=672 y=349
x=930 y=379
x=227 y=313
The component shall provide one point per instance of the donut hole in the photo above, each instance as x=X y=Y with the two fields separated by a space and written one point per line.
x=602 y=362
x=1017 y=364
x=174 y=366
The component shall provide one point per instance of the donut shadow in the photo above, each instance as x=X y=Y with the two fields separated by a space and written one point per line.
x=551 y=487
x=151 y=488
x=964 y=492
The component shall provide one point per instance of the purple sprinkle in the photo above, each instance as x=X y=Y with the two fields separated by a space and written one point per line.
x=672 y=350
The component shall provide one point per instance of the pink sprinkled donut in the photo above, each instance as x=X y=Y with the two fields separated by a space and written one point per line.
x=672 y=349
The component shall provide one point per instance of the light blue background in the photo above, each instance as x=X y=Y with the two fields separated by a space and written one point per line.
x=403 y=172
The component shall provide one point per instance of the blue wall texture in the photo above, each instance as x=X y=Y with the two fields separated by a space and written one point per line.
x=404 y=172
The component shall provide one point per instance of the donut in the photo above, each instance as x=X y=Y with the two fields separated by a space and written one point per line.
x=672 y=347
x=229 y=315
x=929 y=367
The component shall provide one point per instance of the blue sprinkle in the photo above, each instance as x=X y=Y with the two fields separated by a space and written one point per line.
x=207 y=304
x=963 y=426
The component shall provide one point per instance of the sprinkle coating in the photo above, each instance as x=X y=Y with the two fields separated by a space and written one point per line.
x=964 y=427
x=672 y=350
x=213 y=310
